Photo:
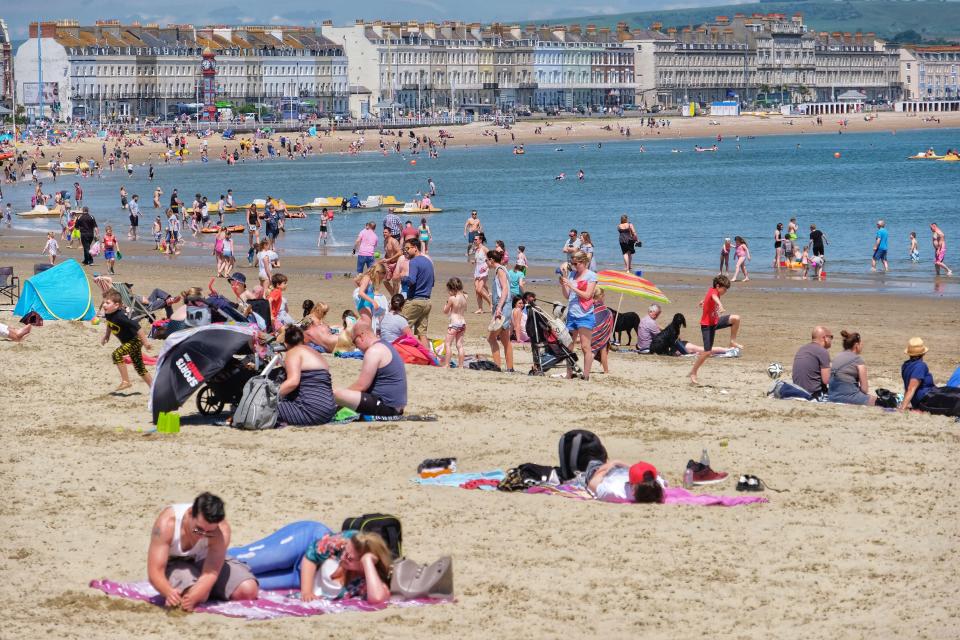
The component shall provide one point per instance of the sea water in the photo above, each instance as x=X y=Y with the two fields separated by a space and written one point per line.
x=682 y=203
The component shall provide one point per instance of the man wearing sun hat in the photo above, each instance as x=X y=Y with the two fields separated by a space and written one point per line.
x=917 y=380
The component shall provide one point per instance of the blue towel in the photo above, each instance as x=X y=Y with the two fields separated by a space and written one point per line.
x=457 y=479
x=357 y=355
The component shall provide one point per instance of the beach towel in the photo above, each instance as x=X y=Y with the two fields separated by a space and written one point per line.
x=672 y=495
x=459 y=479
x=602 y=329
x=412 y=352
x=271 y=604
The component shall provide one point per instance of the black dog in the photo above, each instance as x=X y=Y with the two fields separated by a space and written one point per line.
x=627 y=321
x=665 y=342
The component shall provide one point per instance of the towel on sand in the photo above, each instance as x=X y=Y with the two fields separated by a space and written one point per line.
x=270 y=604
x=672 y=495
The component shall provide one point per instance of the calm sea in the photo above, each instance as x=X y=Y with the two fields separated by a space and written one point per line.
x=683 y=204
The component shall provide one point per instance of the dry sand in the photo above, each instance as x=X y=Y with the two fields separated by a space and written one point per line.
x=862 y=545
x=576 y=129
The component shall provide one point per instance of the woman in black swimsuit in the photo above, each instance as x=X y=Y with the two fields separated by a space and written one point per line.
x=778 y=246
x=628 y=238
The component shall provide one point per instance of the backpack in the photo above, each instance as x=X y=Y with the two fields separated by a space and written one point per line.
x=577 y=448
x=33 y=318
x=257 y=408
x=387 y=526
x=942 y=401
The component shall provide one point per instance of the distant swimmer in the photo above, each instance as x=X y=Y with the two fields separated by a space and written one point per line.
x=562 y=176
x=559 y=149
x=642 y=150
x=599 y=145
x=580 y=175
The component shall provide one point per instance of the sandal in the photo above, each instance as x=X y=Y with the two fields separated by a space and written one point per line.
x=753 y=483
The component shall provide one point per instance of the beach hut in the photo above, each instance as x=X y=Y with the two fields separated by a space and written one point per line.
x=59 y=293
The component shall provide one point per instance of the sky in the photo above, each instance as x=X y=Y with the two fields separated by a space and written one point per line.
x=18 y=15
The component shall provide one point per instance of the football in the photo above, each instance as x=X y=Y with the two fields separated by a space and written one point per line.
x=775 y=370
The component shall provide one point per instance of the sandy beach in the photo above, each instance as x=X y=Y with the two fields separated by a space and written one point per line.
x=861 y=544
x=558 y=129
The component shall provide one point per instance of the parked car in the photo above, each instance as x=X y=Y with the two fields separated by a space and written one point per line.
x=268 y=117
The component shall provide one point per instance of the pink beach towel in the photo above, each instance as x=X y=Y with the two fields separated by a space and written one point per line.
x=672 y=495
x=270 y=604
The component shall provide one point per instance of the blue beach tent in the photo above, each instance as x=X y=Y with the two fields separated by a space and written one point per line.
x=59 y=293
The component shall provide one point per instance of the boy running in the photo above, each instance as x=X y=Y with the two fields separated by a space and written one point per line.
x=713 y=318
x=131 y=338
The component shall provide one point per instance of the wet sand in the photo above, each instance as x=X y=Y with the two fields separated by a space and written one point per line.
x=862 y=543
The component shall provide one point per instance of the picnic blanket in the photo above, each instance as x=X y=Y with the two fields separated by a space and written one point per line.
x=672 y=495
x=271 y=604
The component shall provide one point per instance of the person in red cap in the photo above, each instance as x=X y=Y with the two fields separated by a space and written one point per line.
x=615 y=481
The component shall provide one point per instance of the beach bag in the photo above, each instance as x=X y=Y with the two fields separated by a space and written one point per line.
x=577 y=448
x=386 y=526
x=527 y=475
x=257 y=409
x=95 y=248
x=944 y=401
x=411 y=579
x=483 y=365
x=886 y=399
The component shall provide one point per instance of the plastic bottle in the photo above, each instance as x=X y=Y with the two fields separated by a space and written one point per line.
x=704 y=458
x=688 y=478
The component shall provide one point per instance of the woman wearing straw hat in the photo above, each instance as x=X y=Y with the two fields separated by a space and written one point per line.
x=917 y=380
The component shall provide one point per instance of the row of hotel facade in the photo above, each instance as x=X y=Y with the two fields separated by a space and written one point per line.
x=379 y=68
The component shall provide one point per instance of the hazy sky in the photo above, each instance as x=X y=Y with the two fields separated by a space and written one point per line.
x=19 y=14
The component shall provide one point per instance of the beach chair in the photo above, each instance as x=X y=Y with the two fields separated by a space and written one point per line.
x=137 y=310
x=9 y=284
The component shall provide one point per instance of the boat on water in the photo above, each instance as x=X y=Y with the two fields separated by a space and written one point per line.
x=63 y=166
x=949 y=158
x=260 y=203
x=415 y=208
x=236 y=228
x=925 y=155
x=320 y=203
x=6 y=155
x=40 y=211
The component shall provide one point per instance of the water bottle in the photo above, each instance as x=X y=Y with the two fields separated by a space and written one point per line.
x=705 y=459
x=688 y=478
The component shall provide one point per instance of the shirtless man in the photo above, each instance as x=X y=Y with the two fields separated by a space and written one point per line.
x=187 y=562
x=939 y=249
x=391 y=254
x=471 y=228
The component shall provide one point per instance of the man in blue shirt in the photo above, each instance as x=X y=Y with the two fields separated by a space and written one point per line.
x=419 y=286
x=880 y=247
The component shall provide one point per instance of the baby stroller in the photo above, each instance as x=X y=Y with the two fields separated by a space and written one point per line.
x=548 y=342
x=226 y=386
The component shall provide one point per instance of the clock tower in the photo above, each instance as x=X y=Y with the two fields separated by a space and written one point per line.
x=208 y=72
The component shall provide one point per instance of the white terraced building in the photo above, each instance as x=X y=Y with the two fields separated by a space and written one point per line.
x=109 y=70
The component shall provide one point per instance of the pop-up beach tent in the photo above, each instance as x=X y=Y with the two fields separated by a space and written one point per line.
x=59 y=293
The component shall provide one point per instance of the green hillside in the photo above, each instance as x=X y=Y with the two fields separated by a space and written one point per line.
x=933 y=20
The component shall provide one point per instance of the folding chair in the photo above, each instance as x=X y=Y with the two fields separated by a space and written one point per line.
x=9 y=284
x=134 y=305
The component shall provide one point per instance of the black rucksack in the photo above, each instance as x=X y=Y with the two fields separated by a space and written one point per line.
x=942 y=401
x=386 y=525
x=577 y=448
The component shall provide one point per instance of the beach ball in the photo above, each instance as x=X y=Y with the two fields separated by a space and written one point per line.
x=413 y=162
x=836 y=154
x=376 y=254
x=775 y=370
x=95 y=321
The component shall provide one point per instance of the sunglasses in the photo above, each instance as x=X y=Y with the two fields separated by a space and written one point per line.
x=204 y=533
